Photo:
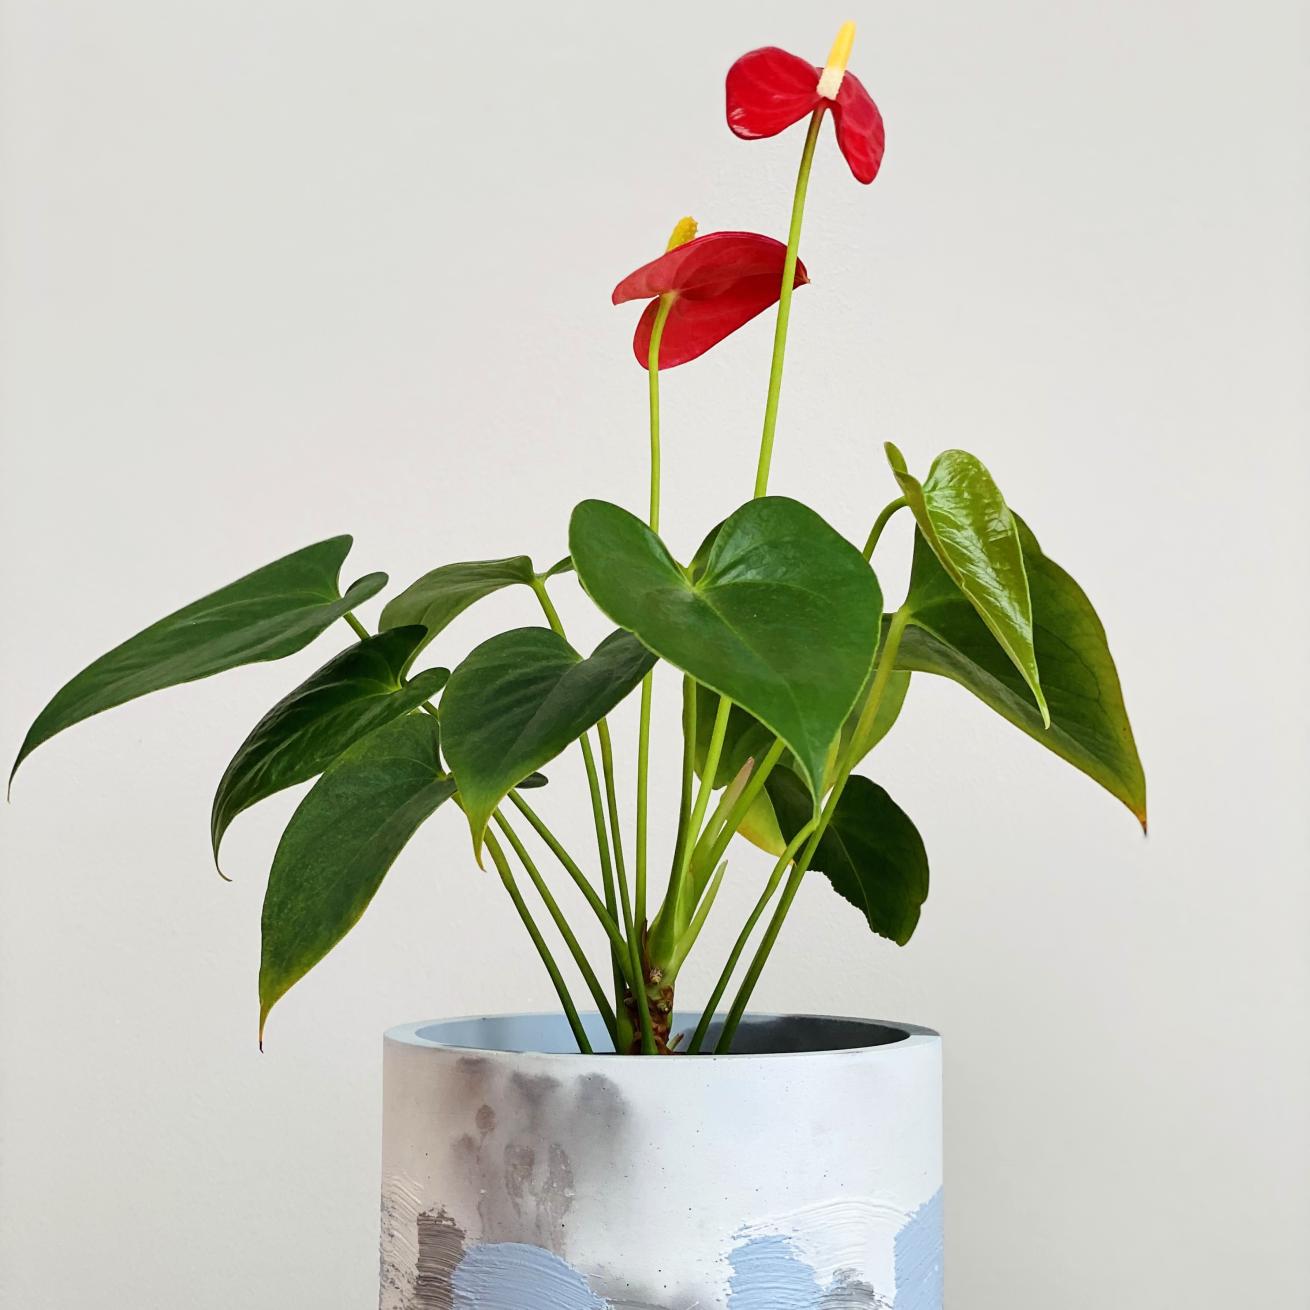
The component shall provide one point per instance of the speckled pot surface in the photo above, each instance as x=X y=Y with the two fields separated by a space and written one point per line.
x=803 y=1172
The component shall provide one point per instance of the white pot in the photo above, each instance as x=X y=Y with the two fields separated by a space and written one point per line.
x=803 y=1173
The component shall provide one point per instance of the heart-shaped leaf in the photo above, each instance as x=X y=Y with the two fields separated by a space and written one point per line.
x=871 y=853
x=783 y=619
x=1089 y=726
x=353 y=693
x=273 y=612
x=519 y=699
x=964 y=519
x=439 y=597
x=341 y=841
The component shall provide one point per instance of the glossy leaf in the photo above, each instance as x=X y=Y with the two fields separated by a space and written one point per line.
x=270 y=613
x=353 y=693
x=783 y=620
x=1089 y=726
x=964 y=518
x=440 y=596
x=519 y=699
x=341 y=841
x=871 y=853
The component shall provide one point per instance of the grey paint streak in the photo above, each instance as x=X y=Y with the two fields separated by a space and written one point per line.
x=511 y=1156
x=440 y=1250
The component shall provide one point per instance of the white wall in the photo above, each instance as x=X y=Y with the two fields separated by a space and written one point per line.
x=273 y=271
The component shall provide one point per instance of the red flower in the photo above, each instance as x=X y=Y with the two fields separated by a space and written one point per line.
x=718 y=283
x=769 y=90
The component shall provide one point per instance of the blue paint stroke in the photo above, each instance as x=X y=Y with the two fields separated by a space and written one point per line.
x=516 y=1276
x=919 y=1279
x=767 y=1274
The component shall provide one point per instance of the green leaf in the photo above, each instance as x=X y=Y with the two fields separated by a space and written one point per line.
x=273 y=612
x=519 y=699
x=1089 y=726
x=353 y=693
x=439 y=597
x=783 y=620
x=964 y=519
x=341 y=841
x=871 y=853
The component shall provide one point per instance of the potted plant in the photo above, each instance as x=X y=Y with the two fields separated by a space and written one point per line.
x=766 y=1162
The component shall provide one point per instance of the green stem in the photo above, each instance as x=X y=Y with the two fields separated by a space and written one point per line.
x=688 y=767
x=507 y=877
x=744 y=937
x=886 y=664
x=598 y=818
x=648 y=682
x=653 y=380
x=884 y=517
x=639 y=996
x=679 y=904
x=360 y=630
x=561 y=923
x=580 y=879
x=784 y=304
x=740 y=808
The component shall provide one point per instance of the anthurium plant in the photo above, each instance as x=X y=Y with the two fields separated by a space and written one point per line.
x=793 y=669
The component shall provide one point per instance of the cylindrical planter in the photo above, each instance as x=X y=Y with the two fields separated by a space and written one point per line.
x=802 y=1172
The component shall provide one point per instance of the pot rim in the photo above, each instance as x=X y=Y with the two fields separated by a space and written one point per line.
x=420 y=1036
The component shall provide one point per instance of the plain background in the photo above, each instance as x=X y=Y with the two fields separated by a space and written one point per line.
x=275 y=271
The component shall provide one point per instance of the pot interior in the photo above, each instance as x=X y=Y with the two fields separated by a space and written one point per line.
x=758 y=1034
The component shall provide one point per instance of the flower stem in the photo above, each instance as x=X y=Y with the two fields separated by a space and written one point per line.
x=648 y=682
x=884 y=517
x=882 y=674
x=561 y=989
x=561 y=923
x=784 y=304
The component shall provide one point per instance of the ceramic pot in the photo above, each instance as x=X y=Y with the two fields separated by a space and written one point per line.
x=802 y=1172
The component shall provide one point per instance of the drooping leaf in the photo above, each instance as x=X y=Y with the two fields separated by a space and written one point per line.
x=342 y=839
x=871 y=853
x=783 y=620
x=1089 y=725
x=266 y=615
x=353 y=693
x=519 y=699
x=964 y=519
x=439 y=597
